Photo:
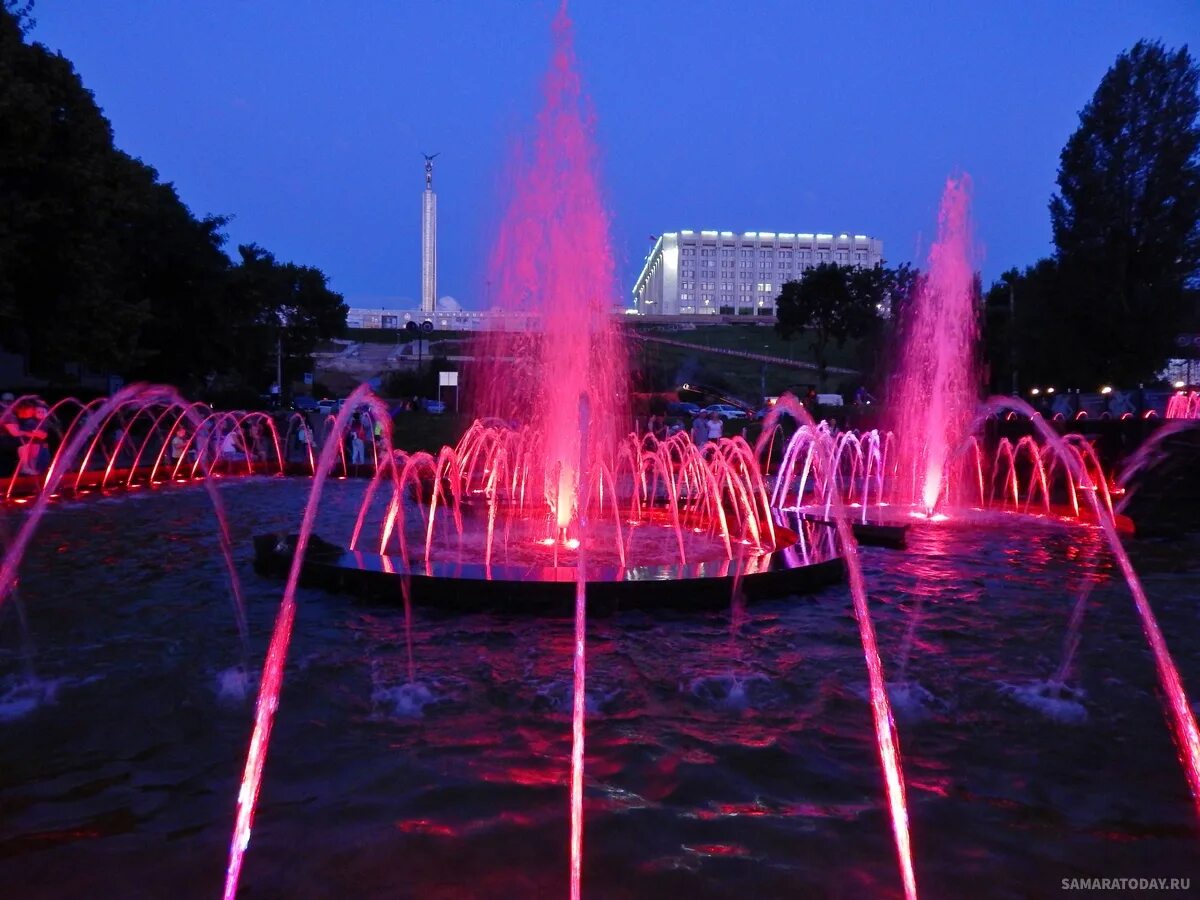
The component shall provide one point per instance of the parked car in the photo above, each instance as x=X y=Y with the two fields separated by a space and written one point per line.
x=682 y=409
x=433 y=407
x=304 y=403
x=725 y=411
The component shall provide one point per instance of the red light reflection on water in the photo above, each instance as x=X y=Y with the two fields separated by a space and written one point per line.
x=717 y=849
x=427 y=826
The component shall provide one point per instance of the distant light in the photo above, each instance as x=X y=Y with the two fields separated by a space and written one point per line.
x=750 y=234
x=787 y=235
x=766 y=234
x=1106 y=390
x=1035 y=391
x=1180 y=385
x=805 y=235
x=824 y=237
x=726 y=234
x=1049 y=390
x=708 y=233
x=861 y=237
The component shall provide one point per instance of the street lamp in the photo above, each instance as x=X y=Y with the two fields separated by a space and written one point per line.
x=1107 y=389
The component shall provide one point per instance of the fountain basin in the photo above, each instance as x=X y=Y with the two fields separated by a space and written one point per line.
x=803 y=560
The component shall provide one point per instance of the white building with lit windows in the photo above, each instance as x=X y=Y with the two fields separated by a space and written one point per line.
x=725 y=273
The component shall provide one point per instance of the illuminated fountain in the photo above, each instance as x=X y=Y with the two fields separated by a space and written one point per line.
x=1184 y=405
x=147 y=436
x=936 y=391
x=546 y=465
x=549 y=490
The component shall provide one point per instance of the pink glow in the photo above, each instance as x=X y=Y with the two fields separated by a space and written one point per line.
x=553 y=259
x=936 y=389
x=1184 y=405
x=77 y=442
x=1178 y=707
x=578 y=709
x=272 y=676
x=816 y=440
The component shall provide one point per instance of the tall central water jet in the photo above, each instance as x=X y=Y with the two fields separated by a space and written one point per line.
x=553 y=262
x=565 y=380
x=936 y=390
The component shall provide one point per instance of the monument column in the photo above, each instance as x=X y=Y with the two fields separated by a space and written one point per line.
x=428 y=241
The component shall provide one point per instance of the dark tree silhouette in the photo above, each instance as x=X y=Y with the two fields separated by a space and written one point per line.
x=278 y=308
x=831 y=304
x=1127 y=218
x=103 y=267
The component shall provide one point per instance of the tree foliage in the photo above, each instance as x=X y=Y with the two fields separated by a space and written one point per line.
x=22 y=13
x=1126 y=218
x=279 y=308
x=1022 y=333
x=831 y=304
x=103 y=267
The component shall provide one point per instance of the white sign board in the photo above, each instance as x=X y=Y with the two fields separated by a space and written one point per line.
x=447 y=379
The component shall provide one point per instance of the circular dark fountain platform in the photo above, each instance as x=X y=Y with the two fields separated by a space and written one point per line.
x=805 y=560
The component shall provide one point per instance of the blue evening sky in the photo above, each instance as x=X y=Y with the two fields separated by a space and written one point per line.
x=306 y=120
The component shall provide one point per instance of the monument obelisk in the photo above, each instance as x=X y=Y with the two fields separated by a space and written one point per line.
x=428 y=240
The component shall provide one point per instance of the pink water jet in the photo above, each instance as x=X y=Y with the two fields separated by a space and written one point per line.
x=1177 y=705
x=823 y=452
x=1184 y=405
x=568 y=386
x=161 y=410
x=553 y=261
x=936 y=392
x=273 y=667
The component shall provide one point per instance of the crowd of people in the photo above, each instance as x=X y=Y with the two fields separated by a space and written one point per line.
x=705 y=427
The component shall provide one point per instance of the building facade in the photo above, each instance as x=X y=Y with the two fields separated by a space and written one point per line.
x=441 y=319
x=726 y=273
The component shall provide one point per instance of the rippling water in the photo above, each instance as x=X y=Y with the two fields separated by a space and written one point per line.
x=718 y=764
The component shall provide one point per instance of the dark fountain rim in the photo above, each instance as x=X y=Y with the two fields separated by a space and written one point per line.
x=795 y=566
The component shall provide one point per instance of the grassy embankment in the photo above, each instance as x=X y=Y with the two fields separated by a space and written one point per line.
x=744 y=378
x=669 y=366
